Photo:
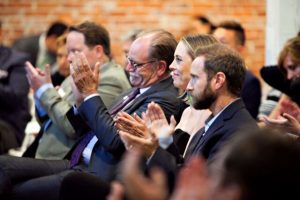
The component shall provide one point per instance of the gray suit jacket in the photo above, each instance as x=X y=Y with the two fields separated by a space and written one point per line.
x=59 y=136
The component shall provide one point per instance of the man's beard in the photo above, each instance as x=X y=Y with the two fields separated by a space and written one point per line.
x=206 y=100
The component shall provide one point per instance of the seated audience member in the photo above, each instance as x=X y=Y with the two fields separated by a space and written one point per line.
x=180 y=70
x=233 y=34
x=285 y=78
x=247 y=168
x=148 y=60
x=41 y=48
x=14 y=88
x=62 y=63
x=57 y=135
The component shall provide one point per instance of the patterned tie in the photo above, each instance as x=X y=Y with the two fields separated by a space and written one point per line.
x=193 y=144
x=76 y=154
x=121 y=104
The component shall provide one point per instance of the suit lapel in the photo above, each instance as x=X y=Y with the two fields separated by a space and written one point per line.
x=226 y=115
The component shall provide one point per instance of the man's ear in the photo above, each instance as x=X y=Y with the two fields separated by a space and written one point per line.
x=241 y=49
x=162 y=67
x=219 y=80
x=99 y=51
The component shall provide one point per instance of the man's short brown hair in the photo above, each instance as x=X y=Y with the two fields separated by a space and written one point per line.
x=94 y=35
x=220 y=58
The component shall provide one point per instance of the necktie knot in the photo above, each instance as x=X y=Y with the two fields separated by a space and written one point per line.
x=133 y=93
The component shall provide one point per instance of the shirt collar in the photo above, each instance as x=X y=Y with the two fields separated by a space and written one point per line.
x=210 y=120
x=143 y=90
x=42 y=43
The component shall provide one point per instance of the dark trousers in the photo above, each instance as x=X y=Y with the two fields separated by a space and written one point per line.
x=28 y=178
x=83 y=186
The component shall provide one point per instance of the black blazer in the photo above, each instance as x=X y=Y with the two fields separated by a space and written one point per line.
x=109 y=149
x=14 y=89
x=233 y=119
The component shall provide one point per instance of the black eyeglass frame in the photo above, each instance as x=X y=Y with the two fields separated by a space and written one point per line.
x=136 y=65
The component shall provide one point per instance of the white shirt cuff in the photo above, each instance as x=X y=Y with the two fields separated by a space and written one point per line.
x=165 y=142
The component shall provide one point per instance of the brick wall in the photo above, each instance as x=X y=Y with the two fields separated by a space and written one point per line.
x=23 y=17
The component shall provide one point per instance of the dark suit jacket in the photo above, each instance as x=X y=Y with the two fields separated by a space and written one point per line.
x=251 y=94
x=14 y=89
x=109 y=148
x=233 y=119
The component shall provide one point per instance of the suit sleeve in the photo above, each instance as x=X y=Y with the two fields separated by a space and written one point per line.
x=94 y=112
x=57 y=107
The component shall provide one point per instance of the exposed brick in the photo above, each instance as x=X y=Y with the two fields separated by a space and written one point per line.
x=23 y=17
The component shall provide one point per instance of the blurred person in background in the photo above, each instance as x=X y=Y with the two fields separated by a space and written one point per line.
x=62 y=63
x=14 y=88
x=286 y=78
x=199 y=25
x=42 y=47
x=127 y=41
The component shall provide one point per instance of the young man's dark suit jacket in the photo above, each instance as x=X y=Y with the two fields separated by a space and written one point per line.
x=109 y=148
x=233 y=119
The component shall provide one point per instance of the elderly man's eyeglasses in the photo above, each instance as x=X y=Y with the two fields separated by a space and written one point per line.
x=136 y=65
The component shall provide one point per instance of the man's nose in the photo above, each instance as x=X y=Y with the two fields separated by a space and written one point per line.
x=129 y=67
x=189 y=87
x=69 y=57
